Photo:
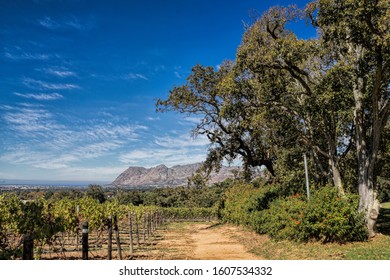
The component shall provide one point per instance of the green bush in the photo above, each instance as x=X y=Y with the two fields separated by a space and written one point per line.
x=327 y=217
x=242 y=200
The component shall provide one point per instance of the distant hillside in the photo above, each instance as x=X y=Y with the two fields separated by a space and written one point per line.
x=161 y=176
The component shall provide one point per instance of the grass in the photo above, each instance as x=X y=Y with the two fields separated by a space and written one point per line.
x=375 y=249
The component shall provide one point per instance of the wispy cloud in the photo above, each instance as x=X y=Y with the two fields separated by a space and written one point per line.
x=192 y=120
x=183 y=140
x=60 y=72
x=135 y=76
x=49 y=144
x=159 y=68
x=169 y=157
x=66 y=23
x=152 y=119
x=18 y=53
x=40 y=96
x=177 y=74
x=170 y=150
x=27 y=120
x=42 y=85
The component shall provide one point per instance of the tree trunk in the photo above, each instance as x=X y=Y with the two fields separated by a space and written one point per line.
x=337 y=180
x=366 y=156
x=368 y=202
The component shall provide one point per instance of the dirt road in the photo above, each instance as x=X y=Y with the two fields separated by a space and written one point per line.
x=204 y=241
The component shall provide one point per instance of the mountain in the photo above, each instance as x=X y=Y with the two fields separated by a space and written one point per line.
x=161 y=176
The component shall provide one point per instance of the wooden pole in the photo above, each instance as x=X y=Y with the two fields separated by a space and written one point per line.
x=109 y=230
x=148 y=224
x=28 y=247
x=131 y=234
x=77 y=229
x=117 y=238
x=144 y=225
x=136 y=228
x=84 y=241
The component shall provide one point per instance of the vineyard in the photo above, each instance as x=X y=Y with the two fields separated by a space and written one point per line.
x=84 y=228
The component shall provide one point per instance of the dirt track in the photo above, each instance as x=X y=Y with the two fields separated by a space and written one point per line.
x=204 y=241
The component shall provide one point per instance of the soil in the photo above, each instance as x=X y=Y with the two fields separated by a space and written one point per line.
x=204 y=241
x=180 y=241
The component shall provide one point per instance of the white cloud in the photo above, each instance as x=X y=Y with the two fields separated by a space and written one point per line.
x=40 y=96
x=136 y=76
x=42 y=143
x=18 y=53
x=192 y=120
x=183 y=140
x=178 y=72
x=66 y=23
x=169 y=157
x=60 y=72
x=152 y=119
x=169 y=150
x=49 y=23
x=27 y=120
x=41 y=85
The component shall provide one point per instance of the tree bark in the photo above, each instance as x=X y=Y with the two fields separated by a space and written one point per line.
x=337 y=180
x=366 y=157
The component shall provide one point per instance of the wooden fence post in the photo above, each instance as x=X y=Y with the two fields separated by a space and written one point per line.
x=117 y=238
x=28 y=247
x=155 y=221
x=109 y=229
x=84 y=241
x=144 y=225
x=131 y=234
x=77 y=229
x=148 y=224
x=152 y=222
x=136 y=228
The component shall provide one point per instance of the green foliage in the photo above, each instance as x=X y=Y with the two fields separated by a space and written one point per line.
x=36 y=217
x=67 y=211
x=241 y=200
x=327 y=217
x=96 y=192
x=193 y=196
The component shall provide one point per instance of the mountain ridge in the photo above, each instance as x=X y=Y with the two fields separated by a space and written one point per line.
x=163 y=176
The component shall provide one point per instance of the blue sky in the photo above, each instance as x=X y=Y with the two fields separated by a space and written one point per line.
x=79 y=80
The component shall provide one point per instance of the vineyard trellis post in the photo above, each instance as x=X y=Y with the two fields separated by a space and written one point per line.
x=117 y=238
x=84 y=241
x=78 y=228
x=144 y=225
x=131 y=234
x=28 y=247
x=148 y=217
x=136 y=228
x=109 y=230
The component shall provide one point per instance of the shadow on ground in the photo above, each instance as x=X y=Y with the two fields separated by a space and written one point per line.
x=383 y=222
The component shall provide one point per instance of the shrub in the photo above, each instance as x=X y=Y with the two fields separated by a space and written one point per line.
x=242 y=200
x=327 y=217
